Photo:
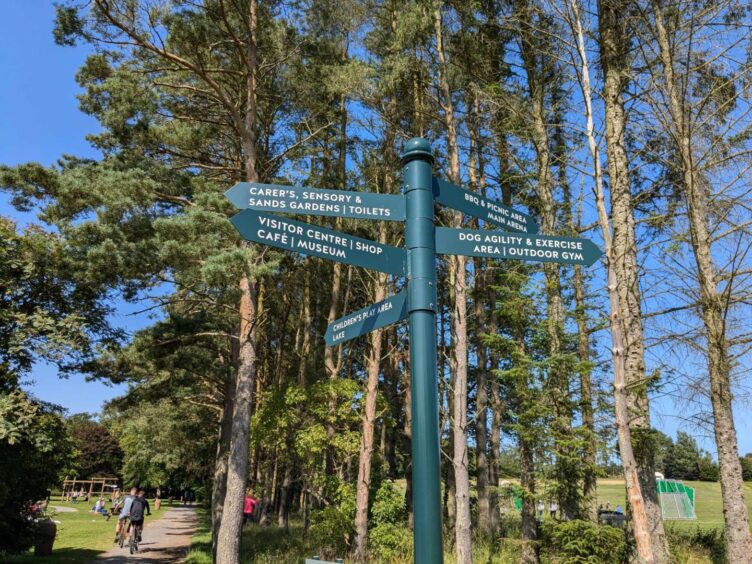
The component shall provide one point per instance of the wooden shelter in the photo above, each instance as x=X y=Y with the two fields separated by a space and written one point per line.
x=93 y=486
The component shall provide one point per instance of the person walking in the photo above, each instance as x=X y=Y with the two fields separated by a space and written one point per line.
x=553 y=508
x=249 y=506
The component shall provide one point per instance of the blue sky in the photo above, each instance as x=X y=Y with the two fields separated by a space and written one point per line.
x=40 y=120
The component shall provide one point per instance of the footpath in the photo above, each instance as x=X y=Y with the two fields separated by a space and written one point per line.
x=165 y=540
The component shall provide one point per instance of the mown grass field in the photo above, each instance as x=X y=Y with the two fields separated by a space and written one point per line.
x=708 y=504
x=81 y=535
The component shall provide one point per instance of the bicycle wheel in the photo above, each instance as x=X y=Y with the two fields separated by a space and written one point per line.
x=132 y=543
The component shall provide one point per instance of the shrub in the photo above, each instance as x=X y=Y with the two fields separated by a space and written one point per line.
x=583 y=542
x=332 y=527
x=707 y=541
x=389 y=541
x=388 y=505
x=390 y=536
x=34 y=447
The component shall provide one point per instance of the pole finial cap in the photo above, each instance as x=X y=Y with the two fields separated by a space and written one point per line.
x=417 y=148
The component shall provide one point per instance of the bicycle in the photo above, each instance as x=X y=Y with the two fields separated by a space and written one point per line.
x=135 y=535
x=121 y=533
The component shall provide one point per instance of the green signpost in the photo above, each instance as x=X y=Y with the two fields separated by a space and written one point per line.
x=316 y=201
x=321 y=242
x=418 y=263
x=481 y=207
x=375 y=316
x=502 y=245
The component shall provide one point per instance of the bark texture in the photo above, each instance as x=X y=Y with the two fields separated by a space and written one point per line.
x=458 y=280
x=614 y=43
x=219 y=483
x=369 y=421
x=228 y=538
x=713 y=307
x=229 y=534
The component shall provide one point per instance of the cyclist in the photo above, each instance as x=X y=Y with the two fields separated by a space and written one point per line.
x=125 y=513
x=138 y=506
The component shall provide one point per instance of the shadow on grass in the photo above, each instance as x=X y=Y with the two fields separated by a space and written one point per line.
x=77 y=555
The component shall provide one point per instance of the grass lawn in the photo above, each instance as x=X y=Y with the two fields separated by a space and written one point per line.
x=708 y=504
x=81 y=535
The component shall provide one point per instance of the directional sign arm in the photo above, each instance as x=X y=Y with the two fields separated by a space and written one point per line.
x=316 y=201
x=504 y=245
x=489 y=210
x=376 y=316
x=317 y=241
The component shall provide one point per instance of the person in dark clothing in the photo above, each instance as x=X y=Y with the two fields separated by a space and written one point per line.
x=139 y=506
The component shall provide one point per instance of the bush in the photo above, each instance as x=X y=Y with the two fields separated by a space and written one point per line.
x=390 y=536
x=583 y=542
x=710 y=542
x=34 y=447
x=389 y=541
x=332 y=527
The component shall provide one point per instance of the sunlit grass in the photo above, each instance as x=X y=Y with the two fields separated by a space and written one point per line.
x=81 y=535
x=708 y=502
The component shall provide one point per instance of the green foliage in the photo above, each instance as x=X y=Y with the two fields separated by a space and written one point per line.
x=707 y=541
x=164 y=443
x=746 y=462
x=388 y=505
x=332 y=527
x=389 y=536
x=686 y=461
x=47 y=309
x=34 y=449
x=388 y=541
x=97 y=452
x=583 y=542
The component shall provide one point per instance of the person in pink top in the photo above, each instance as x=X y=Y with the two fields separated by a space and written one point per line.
x=249 y=506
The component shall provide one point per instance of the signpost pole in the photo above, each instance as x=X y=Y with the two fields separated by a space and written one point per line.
x=417 y=160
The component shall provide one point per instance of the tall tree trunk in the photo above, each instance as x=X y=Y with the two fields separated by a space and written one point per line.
x=228 y=537
x=527 y=483
x=589 y=486
x=369 y=419
x=614 y=43
x=333 y=355
x=589 y=477
x=283 y=512
x=533 y=57
x=713 y=306
x=219 y=483
x=230 y=529
x=641 y=527
x=458 y=277
x=481 y=312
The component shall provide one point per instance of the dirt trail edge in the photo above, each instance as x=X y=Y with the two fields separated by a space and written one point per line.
x=165 y=540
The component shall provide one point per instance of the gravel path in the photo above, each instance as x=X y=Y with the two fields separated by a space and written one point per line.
x=165 y=540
